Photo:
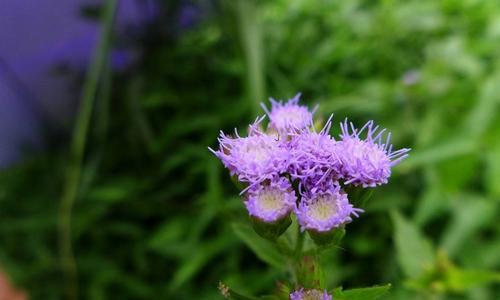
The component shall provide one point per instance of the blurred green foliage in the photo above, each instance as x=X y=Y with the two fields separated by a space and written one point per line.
x=154 y=211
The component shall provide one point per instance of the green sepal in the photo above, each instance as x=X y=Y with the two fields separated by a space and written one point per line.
x=271 y=230
x=329 y=238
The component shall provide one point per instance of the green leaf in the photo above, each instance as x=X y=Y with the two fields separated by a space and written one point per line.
x=483 y=114
x=433 y=201
x=461 y=280
x=414 y=252
x=445 y=150
x=492 y=177
x=264 y=249
x=456 y=173
x=165 y=238
x=192 y=265
x=470 y=214
x=370 y=293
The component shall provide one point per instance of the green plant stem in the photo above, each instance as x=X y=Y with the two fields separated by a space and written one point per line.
x=283 y=247
x=104 y=102
x=299 y=245
x=296 y=257
x=251 y=41
x=70 y=192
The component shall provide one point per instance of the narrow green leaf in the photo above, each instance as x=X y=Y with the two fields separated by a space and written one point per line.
x=445 y=150
x=493 y=170
x=370 y=293
x=192 y=265
x=264 y=249
x=461 y=280
x=414 y=252
x=483 y=113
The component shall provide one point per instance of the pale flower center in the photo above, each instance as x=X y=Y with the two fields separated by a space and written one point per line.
x=290 y=117
x=271 y=199
x=312 y=295
x=258 y=152
x=323 y=208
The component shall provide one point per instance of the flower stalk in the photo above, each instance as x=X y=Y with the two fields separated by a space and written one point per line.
x=71 y=187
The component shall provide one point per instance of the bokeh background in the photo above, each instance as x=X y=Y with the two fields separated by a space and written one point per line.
x=107 y=108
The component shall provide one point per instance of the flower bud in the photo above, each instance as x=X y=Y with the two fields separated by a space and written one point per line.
x=269 y=205
x=323 y=214
x=288 y=118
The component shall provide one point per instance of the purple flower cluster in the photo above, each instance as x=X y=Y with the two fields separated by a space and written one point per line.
x=291 y=167
x=303 y=294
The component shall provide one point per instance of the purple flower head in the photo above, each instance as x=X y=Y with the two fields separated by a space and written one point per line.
x=288 y=117
x=313 y=158
x=310 y=295
x=271 y=200
x=253 y=158
x=367 y=162
x=325 y=208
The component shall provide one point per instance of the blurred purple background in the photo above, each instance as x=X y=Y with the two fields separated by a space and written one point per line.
x=46 y=45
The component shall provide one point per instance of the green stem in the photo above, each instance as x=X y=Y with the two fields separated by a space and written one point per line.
x=104 y=99
x=297 y=256
x=70 y=192
x=251 y=41
x=282 y=247
x=299 y=245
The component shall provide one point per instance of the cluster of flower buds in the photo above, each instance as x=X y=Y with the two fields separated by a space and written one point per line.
x=292 y=168
x=303 y=294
